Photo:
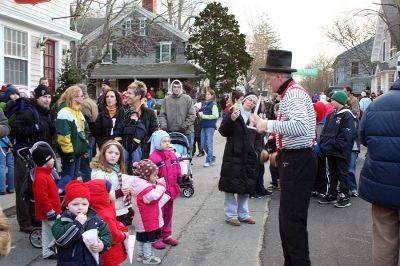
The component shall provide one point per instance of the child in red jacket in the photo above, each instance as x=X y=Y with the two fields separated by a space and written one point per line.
x=102 y=200
x=45 y=193
x=169 y=168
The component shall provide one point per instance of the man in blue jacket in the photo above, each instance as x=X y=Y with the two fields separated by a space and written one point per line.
x=336 y=143
x=380 y=175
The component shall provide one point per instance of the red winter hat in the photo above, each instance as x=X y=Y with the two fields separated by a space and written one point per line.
x=320 y=109
x=76 y=189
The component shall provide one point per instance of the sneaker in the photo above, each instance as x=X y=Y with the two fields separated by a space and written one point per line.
x=212 y=162
x=158 y=244
x=10 y=191
x=267 y=193
x=151 y=260
x=343 y=202
x=2 y=193
x=314 y=194
x=201 y=154
x=171 y=241
x=272 y=187
x=354 y=193
x=255 y=196
x=328 y=199
x=206 y=165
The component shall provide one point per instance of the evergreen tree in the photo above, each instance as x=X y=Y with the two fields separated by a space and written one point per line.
x=68 y=76
x=218 y=47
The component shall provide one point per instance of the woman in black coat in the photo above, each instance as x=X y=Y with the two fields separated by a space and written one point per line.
x=103 y=127
x=238 y=171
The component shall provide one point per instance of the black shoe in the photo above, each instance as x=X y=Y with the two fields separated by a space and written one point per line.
x=10 y=191
x=267 y=193
x=201 y=154
x=51 y=257
x=328 y=199
x=255 y=196
x=343 y=202
x=272 y=187
x=2 y=193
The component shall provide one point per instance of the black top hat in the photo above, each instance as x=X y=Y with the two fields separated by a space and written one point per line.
x=279 y=61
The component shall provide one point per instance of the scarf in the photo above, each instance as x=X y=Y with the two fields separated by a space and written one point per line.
x=127 y=199
x=111 y=111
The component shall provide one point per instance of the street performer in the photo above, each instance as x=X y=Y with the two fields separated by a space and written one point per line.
x=297 y=164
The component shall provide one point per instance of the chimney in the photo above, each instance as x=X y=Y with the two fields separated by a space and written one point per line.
x=150 y=5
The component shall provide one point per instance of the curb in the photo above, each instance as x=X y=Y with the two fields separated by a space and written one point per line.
x=10 y=211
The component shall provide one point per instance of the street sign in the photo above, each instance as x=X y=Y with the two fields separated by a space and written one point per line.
x=310 y=72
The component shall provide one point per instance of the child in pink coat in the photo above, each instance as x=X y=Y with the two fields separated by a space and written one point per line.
x=168 y=167
x=147 y=192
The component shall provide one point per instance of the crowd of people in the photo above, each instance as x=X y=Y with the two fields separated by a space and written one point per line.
x=117 y=158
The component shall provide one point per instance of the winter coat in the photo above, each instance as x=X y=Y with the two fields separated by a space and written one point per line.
x=24 y=131
x=67 y=232
x=338 y=135
x=380 y=133
x=146 y=197
x=45 y=193
x=170 y=169
x=112 y=177
x=100 y=202
x=4 y=127
x=149 y=118
x=177 y=113
x=242 y=150
x=130 y=133
x=103 y=127
x=71 y=137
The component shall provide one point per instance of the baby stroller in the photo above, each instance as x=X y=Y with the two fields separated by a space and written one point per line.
x=26 y=193
x=181 y=145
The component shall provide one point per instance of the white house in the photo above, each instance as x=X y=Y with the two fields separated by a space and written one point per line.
x=33 y=39
x=384 y=54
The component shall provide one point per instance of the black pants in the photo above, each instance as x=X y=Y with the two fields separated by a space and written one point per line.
x=338 y=175
x=25 y=208
x=297 y=171
x=197 y=140
x=260 y=189
x=321 y=181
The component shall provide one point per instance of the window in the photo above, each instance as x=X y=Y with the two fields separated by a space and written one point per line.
x=108 y=58
x=15 y=57
x=354 y=68
x=384 y=51
x=165 y=52
x=127 y=27
x=142 y=27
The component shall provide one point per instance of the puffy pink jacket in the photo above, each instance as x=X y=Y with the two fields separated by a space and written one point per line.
x=170 y=169
x=145 y=203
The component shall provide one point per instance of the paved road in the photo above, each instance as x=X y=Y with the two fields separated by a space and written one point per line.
x=337 y=236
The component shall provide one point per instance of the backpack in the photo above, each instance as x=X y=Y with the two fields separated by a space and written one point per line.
x=20 y=105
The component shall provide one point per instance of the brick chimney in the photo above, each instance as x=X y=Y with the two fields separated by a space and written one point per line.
x=150 y=5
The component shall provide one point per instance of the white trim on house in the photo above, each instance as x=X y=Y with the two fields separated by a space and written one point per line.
x=33 y=21
x=145 y=13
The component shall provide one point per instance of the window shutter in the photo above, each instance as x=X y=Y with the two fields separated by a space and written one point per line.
x=114 y=55
x=158 y=53
x=173 y=54
x=124 y=29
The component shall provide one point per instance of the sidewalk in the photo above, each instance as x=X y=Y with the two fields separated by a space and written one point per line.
x=7 y=203
x=199 y=225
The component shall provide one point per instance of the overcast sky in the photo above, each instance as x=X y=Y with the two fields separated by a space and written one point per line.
x=300 y=25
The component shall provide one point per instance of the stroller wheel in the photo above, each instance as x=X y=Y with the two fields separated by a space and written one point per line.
x=188 y=192
x=35 y=237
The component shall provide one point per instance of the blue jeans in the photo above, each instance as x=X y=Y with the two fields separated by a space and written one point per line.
x=69 y=171
x=84 y=168
x=351 y=181
x=6 y=160
x=236 y=209
x=135 y=156
x=207 y=143
x=190 y=140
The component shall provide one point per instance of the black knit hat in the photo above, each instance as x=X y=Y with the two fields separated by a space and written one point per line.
x=41 y=90
x=106 y=82
x=41 y=155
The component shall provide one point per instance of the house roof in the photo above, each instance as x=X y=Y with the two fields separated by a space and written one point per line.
x=364 y=46
x=87 y=25
x=143 y=71
x=144 y=12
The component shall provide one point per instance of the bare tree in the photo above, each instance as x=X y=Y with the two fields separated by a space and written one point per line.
x=353 y=35
x=325 y=72
x=181 y=13
x=263 y=37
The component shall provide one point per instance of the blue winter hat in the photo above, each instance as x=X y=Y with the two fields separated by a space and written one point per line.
x=10 y=89
x=156 y=138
